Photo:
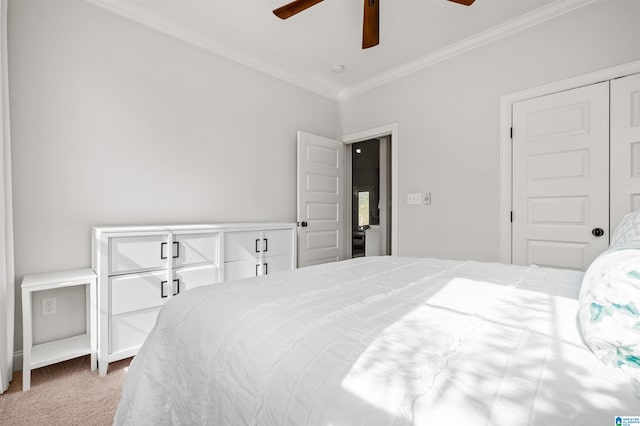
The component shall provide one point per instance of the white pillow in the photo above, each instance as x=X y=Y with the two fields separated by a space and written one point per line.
x=627 y=230
x=609 y=309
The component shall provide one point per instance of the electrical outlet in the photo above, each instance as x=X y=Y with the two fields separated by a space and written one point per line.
x=48 y=306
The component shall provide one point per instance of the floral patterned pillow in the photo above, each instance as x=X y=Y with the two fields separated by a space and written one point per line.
x=628 y=230
x=609 y=310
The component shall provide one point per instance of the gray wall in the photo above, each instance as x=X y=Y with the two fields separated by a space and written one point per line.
x=114 y=123
x=448 y=121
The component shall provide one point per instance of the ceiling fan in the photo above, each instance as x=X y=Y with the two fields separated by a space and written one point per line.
x=371 y=22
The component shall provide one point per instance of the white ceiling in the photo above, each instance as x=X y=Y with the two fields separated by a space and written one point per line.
x=303 y=48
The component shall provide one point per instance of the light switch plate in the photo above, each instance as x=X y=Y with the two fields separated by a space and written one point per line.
x=414 y=198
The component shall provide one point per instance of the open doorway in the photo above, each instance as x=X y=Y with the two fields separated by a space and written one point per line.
x=389 y=213
x=371 y=197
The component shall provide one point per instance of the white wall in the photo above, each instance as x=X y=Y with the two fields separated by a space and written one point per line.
x=114 y=123
x=448 y=121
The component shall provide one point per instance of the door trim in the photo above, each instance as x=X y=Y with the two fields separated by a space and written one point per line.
x=506 y=103
x=376 y=132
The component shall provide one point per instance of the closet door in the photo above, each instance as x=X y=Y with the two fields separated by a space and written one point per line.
x=561 y=178
x=625 y=147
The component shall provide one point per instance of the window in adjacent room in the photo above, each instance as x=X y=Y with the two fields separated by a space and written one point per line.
x=363 y=208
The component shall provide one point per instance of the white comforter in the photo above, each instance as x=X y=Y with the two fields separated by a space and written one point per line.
x=376 y=341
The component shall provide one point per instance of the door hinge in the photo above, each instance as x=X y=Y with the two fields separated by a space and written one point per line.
x=511 y=216
x=511 y=133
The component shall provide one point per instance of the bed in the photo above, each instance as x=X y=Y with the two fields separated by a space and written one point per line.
x=383 y=341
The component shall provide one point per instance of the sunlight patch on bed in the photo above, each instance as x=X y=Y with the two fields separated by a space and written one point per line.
x=405 y=360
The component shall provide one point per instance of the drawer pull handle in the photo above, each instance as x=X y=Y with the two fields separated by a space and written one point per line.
x=162 y=245
x=265 y=269
x=162 y=283
x=177 y=255
x=258 y=248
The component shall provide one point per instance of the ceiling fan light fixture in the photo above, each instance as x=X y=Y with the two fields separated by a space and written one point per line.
x=337 y=68
x=370 y=25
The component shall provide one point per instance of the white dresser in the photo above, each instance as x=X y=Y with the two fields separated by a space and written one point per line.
x=139 y=268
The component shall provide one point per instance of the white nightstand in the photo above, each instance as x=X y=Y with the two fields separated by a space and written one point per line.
x=36 y=356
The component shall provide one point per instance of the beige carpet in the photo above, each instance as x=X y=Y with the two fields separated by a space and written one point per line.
x=67 y=393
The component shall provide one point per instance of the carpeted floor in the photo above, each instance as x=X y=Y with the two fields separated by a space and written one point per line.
x=67 y=393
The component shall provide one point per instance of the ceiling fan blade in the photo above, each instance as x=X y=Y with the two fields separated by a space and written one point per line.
x=371 y=24
x=297 y=6
x=465 y=2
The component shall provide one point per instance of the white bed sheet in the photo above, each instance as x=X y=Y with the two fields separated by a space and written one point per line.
x=376 y=341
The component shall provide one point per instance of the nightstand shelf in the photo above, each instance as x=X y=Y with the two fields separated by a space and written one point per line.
x=60 y=350
x=40 y=355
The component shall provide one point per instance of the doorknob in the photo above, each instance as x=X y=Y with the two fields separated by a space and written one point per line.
x=597 y=232
x=304 y=224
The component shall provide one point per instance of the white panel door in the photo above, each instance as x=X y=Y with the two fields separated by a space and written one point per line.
x=625 y=147
x=320 y=200
x=561 y=178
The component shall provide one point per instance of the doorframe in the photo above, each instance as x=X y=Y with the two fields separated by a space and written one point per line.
x=506 y=165
x=373 y=133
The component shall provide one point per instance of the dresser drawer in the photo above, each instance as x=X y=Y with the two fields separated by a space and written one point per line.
x=277 y=243
x=192 y=249
x=128 y=331
x=138 y=291
x=193 y=277
x=251 y=245
x=251 y=268
x=241 y=246
x=274 y=264
x=139 y=253
x=241 y=269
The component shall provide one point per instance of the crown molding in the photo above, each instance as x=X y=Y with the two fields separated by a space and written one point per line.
x=513 y=26
x=133 y=13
